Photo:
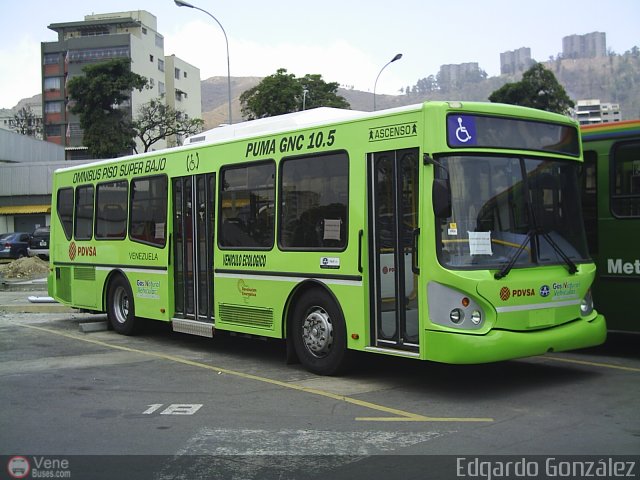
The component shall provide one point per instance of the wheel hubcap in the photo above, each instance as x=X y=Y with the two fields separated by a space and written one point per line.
x=317 y=332
x=121 y=305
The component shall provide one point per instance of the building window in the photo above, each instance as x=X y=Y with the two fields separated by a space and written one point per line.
x=52 y=107
x=50 y=58
x=315 y=198
x=176 y=73
x=144 y=30
x=185 y=74
x=96 y=54
x=52 y=130
x=159 y=41
x=247 y=206
x=151 y=59
x=161 y=89
x=52 y=83
x=161 y=65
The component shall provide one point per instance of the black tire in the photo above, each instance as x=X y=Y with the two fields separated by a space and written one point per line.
x=120 y=307
x=319 y=333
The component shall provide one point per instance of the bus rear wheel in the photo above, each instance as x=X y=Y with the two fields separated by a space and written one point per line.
x=319 y=333
x=120 y=307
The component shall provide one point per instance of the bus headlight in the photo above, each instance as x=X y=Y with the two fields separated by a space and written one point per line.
x=456 y=316
x=586 y=305
x=454 y=309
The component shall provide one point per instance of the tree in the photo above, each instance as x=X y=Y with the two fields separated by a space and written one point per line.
x=538 y=88
x=96 y=97
x=25 y=122
x=283 y=93
x=320 y=93
x=157 y=120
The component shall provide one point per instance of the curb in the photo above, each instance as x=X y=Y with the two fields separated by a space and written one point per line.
x=37 y=308
x=24 y=286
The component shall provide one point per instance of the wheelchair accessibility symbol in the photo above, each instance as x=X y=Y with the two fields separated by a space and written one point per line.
x=462 y=134
x=461 y=130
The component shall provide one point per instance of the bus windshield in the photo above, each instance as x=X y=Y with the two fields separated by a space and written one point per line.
x=511 y=212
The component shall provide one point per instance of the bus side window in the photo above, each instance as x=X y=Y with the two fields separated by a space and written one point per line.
x=625 y=188
x=588 y=185
x=111 y=205
x=315 y=193
x=115 y=219
x=247 y=206
x=65 y=210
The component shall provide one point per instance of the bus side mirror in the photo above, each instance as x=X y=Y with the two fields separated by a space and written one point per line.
x=441 y=198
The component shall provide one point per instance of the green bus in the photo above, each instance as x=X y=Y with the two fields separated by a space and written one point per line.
x=611 y=206
x=443 y=231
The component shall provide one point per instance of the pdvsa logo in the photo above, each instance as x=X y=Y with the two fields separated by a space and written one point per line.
x=79 y=251
x=506 y=293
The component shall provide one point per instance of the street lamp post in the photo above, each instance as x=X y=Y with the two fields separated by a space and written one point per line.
x=182 y=3
x=397 y=57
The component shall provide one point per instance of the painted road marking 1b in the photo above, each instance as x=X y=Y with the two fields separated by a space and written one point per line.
x=174 y=409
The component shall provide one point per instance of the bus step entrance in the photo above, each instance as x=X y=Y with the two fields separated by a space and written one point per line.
x=192 y=327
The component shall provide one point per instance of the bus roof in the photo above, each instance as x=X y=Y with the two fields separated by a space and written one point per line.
x=324 y=115
x=286 y=122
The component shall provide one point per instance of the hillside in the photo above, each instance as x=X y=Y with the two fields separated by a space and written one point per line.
x=614 y=79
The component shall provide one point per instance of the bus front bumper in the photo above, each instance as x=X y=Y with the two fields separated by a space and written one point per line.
x=498 y=345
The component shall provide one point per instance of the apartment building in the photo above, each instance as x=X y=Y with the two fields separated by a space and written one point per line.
x=590 y=45
x=103 y=37
x=589 y=112
x=456 y=74
x=515 y=61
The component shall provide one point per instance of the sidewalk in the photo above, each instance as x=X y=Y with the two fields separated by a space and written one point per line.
x=14 y=297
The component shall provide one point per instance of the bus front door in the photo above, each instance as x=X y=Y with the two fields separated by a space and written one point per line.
x=193 y=222
x=393 y=186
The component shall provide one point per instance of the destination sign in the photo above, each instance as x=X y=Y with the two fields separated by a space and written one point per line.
x=468 y=130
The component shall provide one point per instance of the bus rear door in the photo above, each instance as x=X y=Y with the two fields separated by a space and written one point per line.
x=193 y=222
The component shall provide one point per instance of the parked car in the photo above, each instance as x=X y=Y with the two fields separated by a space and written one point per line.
x=39 y=245
x=14 y=245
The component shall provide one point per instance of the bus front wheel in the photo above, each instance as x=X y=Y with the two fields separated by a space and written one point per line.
x=120 y=307
x=319 y=333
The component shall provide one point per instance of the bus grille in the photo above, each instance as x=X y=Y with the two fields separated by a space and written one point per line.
x=84 y=273
x=246 y=316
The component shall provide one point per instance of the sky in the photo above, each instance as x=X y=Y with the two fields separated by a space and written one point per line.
x=348 y=42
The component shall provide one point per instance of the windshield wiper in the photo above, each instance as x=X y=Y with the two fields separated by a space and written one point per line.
x=571 y=266
x=504 y=271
